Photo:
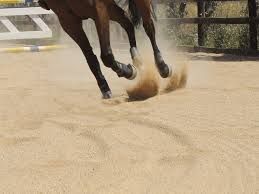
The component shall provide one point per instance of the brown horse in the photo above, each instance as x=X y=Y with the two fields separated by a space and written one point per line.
x=71 y=13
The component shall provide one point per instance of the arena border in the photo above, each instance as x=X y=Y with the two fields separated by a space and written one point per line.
x=33 y=48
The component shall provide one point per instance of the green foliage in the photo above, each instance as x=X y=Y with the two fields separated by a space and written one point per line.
x=228 y=36
x=218 y=36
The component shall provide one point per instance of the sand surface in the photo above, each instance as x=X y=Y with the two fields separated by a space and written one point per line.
x=58 y=136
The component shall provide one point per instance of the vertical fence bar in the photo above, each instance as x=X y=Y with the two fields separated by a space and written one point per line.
x=201 y=30
x=252 y=24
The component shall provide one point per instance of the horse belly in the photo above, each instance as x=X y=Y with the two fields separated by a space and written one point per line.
x=82 y=8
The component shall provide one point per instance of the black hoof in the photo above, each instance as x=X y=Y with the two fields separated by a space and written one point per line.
x=107 y=95
x=164 y=70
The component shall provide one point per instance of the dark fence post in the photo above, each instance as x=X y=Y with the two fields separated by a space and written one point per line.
x=201 y=30
x=252 y=24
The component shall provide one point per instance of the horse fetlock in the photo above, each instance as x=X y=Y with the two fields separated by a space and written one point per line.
x=107 y=95
x=134 y=53
x=105 y=89
x=158 y=58
x=137 y=61
x=103 y=85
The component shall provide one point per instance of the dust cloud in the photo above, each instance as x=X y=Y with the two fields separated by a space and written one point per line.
x=149 y=83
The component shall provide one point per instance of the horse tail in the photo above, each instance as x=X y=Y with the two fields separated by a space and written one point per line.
x=135 y=15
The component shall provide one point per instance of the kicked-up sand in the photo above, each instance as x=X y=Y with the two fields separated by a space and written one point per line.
x=58 y=136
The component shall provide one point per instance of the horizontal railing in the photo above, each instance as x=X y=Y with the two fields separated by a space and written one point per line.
x=252 y=20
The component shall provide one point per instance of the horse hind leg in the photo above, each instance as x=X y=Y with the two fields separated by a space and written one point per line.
x=118 y=15
x=164 y=69
x=73 y=27
x=102 y=25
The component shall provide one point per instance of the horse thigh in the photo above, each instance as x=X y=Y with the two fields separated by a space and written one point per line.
x=144 y=7
x=118 y=15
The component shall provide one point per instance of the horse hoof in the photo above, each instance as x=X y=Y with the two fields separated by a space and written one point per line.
x=134 y=72
x=165 y=70
x=107 y=95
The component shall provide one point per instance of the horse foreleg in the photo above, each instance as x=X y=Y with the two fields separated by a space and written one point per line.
x=164 y=69
x=102 y=25
x=73 y=27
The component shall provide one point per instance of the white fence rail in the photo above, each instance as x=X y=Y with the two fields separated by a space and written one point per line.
x=32 y=12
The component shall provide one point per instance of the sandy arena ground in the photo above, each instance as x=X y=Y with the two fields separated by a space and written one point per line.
x=58 y=136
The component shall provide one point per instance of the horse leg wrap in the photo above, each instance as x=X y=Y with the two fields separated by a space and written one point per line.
x=134 y=53
x=158 y=58
x=137 y=61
